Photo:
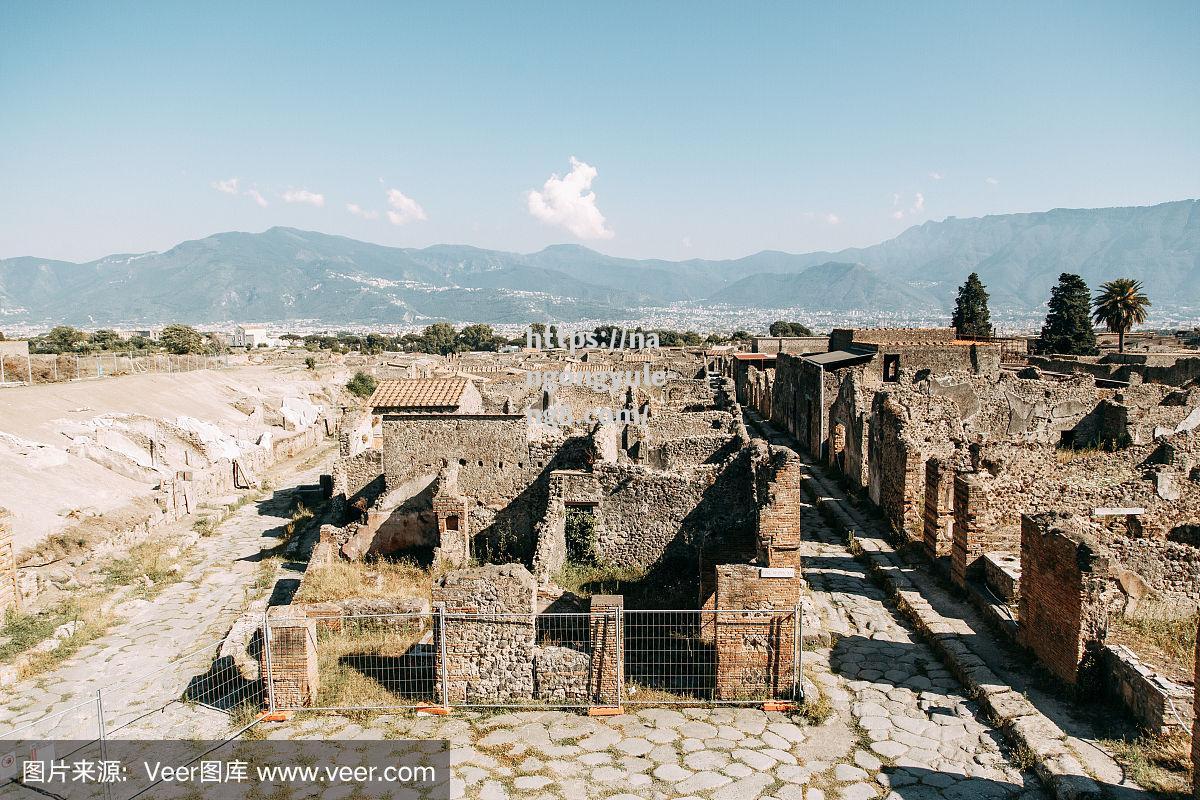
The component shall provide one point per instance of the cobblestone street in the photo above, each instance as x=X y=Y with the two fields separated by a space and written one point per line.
x=138 y=664
x=900 y=726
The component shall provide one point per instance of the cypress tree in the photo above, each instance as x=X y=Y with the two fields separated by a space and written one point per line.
x=971 y=315
x=1068 y=327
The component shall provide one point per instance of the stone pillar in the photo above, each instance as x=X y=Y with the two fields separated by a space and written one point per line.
x=1064 y=609
x=10 y=596
x=970 y=518
x=756 y=650
x=489 y=636
x=778 y=529
x=293 y=658
x=606 y=633
x=454 y=535
x=939 y=507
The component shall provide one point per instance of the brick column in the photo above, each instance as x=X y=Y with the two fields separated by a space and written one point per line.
x=605 y=629
x=454 y=537
x=755 y=649
x=939 y=507
x=293 y=658
x=778 y=529
x=970 y=517
x=10 y=597
x=1064 y=575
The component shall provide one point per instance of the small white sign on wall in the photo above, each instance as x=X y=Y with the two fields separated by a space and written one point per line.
x=776 y=572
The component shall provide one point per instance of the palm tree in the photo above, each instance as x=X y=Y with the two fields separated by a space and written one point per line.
x=1120 y=305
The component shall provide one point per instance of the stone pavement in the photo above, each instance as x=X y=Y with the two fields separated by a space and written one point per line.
x=901 y=726
x=146 y=661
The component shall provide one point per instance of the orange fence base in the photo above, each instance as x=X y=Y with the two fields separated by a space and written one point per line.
x=278 y=716
x=433 y=711
x=778 y=705
x=605 y=711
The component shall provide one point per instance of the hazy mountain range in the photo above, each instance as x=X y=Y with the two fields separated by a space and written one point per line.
x=287 y=274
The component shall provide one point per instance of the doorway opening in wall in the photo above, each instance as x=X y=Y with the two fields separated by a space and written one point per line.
x=837 y=446
x=580 y=533
x=891 y=368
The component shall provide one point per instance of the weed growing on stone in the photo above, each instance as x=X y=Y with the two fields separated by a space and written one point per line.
x=344 y=579
x=146 y=567
x=87 y=620
x=1161 y=764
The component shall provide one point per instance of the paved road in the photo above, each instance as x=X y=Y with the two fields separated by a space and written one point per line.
x=146 y=662
x=902 y=727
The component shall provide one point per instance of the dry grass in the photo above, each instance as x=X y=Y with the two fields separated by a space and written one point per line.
x=1169 y=643
x=365 y=666
x=1161 y=764
x=345 y=579
x=299 y=516
x=28 y=630
x=146 y=567
x=585 y=580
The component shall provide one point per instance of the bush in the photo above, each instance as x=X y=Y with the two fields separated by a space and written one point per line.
x=361 y=385
x=310 y=363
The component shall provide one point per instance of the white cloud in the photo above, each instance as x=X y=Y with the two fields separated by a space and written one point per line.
x=686 y=241
x=828 y=217
x=831 y=219
x=404 y=208
x=230 y=186
x=359 y=211
x=937 y=176
x=568 y=201
x=303 y=196
x=990 y=181
x=917 y=207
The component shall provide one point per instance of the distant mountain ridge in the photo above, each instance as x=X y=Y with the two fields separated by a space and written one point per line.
x=288 y=274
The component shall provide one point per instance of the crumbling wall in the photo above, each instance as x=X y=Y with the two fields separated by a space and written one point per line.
x=982 y=523
x=9 y=594
x=1067 y=594
x=489 y=635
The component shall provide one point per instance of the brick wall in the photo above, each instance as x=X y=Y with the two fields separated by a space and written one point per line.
x=1063 y=604
x=980 y=525
x=606 y=672
x=755 y=650
x=293 y=662
x=938 y=514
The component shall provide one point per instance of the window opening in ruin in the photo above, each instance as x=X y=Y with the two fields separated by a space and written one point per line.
x=452 y=522
x=891 y=368
x=580 y=534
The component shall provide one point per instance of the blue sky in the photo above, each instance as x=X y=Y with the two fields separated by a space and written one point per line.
x=699 y=130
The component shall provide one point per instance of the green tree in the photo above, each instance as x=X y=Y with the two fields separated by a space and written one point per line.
x=1068 y=326
x=1120 y=305
x=182 y=340
x=478 y=338
x=781 y=328
x=440 y=338
x=971 y=314
x=106 y=340
x=63 y=339
x=740 y=336
x=361 y=385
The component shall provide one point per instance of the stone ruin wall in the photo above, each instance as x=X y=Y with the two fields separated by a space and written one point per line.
x=1065 y=593
x=9 y=595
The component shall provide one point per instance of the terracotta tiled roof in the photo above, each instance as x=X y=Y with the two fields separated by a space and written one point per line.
x=418 y=393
